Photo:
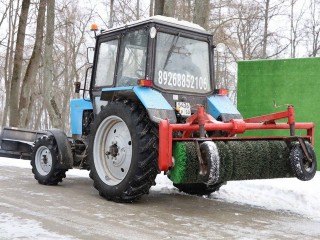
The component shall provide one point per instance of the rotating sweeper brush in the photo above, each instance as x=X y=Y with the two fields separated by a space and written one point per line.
x=203 y=164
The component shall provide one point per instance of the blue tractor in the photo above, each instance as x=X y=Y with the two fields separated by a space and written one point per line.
x=153 y=106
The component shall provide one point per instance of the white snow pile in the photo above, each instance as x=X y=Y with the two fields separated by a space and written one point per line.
x=288 y=195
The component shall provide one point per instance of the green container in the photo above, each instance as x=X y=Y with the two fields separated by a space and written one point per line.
x=285 y=81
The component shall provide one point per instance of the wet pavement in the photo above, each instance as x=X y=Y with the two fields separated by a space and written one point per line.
x=74 y=210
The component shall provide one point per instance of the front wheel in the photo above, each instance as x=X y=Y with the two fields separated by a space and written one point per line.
x=301 y=166
x=45 y=161
x=123 y=152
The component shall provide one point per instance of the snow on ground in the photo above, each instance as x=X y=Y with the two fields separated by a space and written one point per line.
x=18 y=228
x=289 y=195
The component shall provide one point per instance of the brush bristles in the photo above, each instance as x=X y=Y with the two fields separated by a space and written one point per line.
x=239 y=160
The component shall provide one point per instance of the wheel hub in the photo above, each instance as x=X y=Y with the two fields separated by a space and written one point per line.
x=113 y=150
x=43 y=160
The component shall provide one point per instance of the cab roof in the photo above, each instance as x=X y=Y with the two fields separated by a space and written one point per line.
x=167 y=21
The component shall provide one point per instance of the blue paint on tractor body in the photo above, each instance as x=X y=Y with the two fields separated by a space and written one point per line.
x=77 y=107
x=150 y=98
x=218 y=105
x=156 y=105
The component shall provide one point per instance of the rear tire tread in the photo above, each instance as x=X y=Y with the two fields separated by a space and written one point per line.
x=296 y=161
x=147 y=165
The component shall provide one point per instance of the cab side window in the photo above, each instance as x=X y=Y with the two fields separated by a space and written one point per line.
x=106 y=63
x=132 y=60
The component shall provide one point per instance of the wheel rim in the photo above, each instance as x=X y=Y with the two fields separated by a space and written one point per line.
x=43 y=160
x=308 y=166
x=112 y=150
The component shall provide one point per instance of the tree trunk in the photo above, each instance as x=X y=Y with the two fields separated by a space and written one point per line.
x=32 y=69
x=201 y=13
x=138 y=10
x=189 y=10
x=151 y=8
x=66 y=75
x=265 y=32
x=293 y=31
x=18 y=57
x=158 y=7
x=7 y=67
x=30 y=112
x=111 y=14
x=169 y=8
x=49 y=100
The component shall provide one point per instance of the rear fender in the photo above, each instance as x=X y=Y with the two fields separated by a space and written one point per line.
x=221 y=107
x=156 y=105
x=64 y=148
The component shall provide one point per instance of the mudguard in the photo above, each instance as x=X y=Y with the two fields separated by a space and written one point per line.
x=156 y=105
x=221 y=107
x=65 y=153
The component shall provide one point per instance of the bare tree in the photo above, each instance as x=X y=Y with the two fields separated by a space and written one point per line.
x=184 y=10
x=271 y=10
x=201 y=13
x=5 y=13
x=68 y=61
x=296 y=32
x=138 y=10
x=48 y=94
x=266 y=27
x=110 y=25
x=32 y=68
x=128 y=10
x=169 y=8
x=12 y=22
x=313 y=27
x=248 y=31
x=16 y=76
x=159 y=7
x=151 y=8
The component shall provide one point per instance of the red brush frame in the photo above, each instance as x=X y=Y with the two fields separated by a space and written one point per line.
x=201 y=121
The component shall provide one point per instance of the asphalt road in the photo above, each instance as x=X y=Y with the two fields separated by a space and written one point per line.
x=75 y=210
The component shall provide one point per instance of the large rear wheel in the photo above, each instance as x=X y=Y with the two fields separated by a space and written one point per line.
x=123 y=152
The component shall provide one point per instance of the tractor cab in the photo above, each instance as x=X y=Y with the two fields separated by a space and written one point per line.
x=173 y=58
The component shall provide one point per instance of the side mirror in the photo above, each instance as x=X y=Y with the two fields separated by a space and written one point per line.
x=90 y=55
x=77 y=86
x=221 y=47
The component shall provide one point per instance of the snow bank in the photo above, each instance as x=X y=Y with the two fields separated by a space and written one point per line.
x=290 y=195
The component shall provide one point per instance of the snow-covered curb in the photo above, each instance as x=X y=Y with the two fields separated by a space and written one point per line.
x=290 y=195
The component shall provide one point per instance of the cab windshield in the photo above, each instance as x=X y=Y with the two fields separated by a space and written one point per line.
x=182 y=64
